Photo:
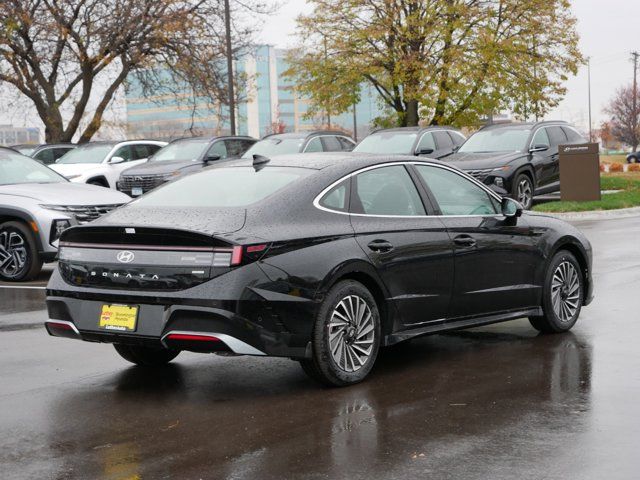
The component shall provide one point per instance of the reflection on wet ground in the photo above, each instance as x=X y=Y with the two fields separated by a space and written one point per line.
x=494 y=402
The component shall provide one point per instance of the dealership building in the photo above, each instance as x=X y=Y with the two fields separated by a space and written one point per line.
x=271 y=100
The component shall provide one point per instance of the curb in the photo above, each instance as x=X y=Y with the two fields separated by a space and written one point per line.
x=596 y=214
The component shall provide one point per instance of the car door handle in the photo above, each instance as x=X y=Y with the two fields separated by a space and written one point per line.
x=380 y=246
x=464 y=241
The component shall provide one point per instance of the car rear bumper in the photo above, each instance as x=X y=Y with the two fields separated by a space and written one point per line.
x=244 y=320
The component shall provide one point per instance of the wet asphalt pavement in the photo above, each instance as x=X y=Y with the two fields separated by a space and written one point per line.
x=489 y=403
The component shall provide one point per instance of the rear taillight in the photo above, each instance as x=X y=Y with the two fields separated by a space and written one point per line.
x=238 y=255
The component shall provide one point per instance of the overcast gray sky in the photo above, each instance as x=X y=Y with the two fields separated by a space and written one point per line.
x=609 y=30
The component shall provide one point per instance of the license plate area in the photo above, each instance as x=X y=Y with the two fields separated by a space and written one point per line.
x=136 y=191
x=118 y=318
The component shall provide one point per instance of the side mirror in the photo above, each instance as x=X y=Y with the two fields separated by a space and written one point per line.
x=212 y=158
x=424 y=151
x=539 y=147
x=511 y=208
x=115 y=160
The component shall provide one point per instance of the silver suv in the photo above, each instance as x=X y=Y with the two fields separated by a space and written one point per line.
x=36 y=206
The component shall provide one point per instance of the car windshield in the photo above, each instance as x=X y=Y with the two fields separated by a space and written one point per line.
x=223 y=187
x=191 y=149
x=274 y=146
x=16 y=168
x=503 y=139
x=388 y=142
x=90 y=153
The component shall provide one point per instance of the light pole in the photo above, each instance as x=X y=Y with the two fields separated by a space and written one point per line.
x=232 y=96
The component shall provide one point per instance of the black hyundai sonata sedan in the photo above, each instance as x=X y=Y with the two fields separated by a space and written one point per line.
x=322 y=258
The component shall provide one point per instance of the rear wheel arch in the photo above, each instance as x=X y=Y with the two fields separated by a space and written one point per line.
x=378 y=291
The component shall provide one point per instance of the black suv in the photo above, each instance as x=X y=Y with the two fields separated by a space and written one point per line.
x=181 y=156
x=520 y=159
x=302 y=142
x=434 y=142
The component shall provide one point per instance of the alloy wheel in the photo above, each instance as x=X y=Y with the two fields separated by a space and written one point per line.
x=565 y=291
x=525 y=191
x=13 y=253
x=351 y=333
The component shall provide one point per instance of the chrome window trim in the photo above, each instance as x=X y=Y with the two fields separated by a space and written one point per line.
x=316 y=201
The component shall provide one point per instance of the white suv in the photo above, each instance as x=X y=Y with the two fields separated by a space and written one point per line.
x=100 y=163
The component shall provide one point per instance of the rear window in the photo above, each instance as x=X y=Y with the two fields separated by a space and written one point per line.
x=223 y=187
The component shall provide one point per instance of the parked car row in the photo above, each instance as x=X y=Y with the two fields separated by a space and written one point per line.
x=38 y=203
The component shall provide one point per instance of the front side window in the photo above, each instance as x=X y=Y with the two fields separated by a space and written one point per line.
x=314 y=145
x=346 y=144
x=15 y=168
x=426 y=143
x=218 y=149
x=541 y=138
x=124 y=152
x=223 y=187
x=331 y=144
x=458 y=138
x=45 y=156
x=455 y=194
x=386 y=191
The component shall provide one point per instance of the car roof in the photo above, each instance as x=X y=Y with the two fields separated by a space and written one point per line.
x=524 y=125
x=415 y=129
x=306 y=134
x=322 y=160
x=215 y=137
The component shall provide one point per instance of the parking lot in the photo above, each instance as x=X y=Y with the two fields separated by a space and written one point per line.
x=482 y=403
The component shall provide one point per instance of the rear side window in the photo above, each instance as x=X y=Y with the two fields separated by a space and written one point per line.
x=443 y=140
x=457 y=138
x=140 y=152
x=346 y=144
x=223 y=187
x=556 y=136
x=235 y=147
x=386 y=191
x=573 y=136
x=331 y=144
x=337 y=197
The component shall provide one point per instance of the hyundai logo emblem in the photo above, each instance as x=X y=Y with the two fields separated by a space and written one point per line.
x=125 y=256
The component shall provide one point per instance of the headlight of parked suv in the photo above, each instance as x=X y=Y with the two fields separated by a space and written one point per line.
x=169 y=176
x=57 y=227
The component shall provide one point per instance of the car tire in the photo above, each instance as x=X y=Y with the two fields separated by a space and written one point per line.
x=632 y=159
x=146 y=356
x=17 y=240
x=522 y=190
x=563 y=294
x=346 y=336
